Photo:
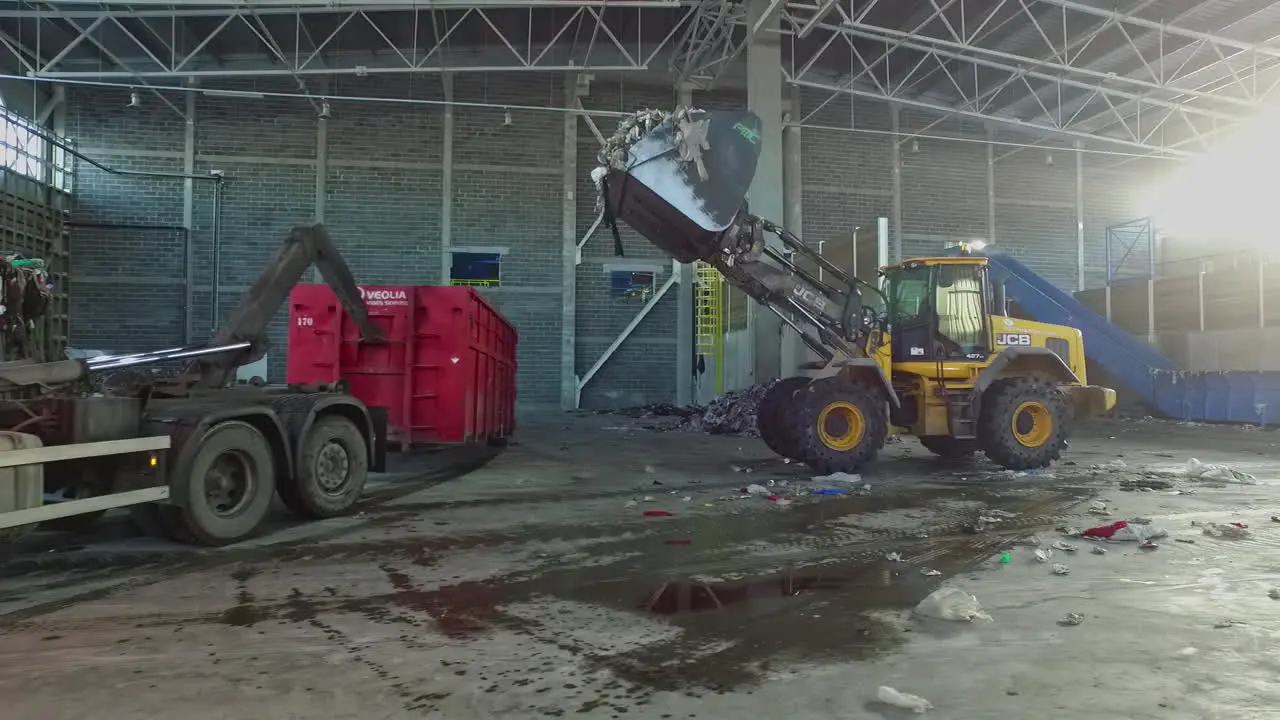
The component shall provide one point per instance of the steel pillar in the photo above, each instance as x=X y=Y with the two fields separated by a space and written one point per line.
x=793 y=351
x=684 y=305
x=569 y=251
x=764 y=98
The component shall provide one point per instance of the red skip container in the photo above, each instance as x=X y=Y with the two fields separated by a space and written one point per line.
x=447 y=373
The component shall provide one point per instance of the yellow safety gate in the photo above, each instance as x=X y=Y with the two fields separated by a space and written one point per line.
x=709 y=317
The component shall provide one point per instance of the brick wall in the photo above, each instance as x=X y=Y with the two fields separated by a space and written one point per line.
x=848 y=183
x=384 y=206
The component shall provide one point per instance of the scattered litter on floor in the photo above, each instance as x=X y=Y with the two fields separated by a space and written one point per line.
x=830 y=491
x=905 y=701
x=1043 y=554
x=1065 y=547
x=1098 y=550
x=754 y=489
x=1006 y=558
x=1225 y=623
x=1098 y=507
x=1219 y=473
x=893 y=557
x=930 y=572
x=1274 y=593
x=839 y=477
x=1071 y=620
x=951 y=604
x=1061 y=569
x=1123 y=531
x=1226 y=531
x=657 y=513
x=780 y=501
x=649 y=469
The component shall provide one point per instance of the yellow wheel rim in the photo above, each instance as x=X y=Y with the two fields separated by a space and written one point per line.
x=841 y=425
x=1032 y=424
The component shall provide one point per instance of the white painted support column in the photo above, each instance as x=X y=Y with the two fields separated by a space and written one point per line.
x=188 y=219
x=1080 y=214
x=764 y=98
x=1262 y=300
x=895 y=159
x=569 y=250
x=684 y=275
x=446 y=182
x=1199 y=299
x=793 y=350
x=882 y=243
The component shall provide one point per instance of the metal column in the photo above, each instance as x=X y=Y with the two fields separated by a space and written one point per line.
x=684 y=307
x=188 y=219
x=895 y=159
x=569 y=251
x=322 y=177
x=446 y=183
x=764 y=98
x=1080 y=214
x=793 y=351
x=991 y=185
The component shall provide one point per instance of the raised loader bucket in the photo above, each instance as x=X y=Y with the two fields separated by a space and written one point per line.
x=684 y=182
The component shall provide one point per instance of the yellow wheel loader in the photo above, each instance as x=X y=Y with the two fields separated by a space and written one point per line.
x=934 y=354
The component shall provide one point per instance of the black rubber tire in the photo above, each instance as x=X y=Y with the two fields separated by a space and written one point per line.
x=807 y=408
x=949 y=447
x=1001 y=401
x=305 y=494
x=776 y=433
x=194 y=521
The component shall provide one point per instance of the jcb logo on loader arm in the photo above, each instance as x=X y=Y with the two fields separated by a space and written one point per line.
x=810 y=298
x=1012 y=339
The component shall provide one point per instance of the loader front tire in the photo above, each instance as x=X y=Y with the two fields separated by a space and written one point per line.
x=841 y=424
x=775 y=431
x=1024 y=422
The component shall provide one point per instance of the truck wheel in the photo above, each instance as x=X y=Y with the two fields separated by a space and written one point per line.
x=333 y=467
x=228 y=493
x=950 y=448
x=841 y=424
x=1024 y=422
x=770 y=420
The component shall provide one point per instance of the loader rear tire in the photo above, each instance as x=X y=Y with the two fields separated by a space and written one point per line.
x=950 y=448
x=1024 y=422
x=777 y=433
x=841 y=424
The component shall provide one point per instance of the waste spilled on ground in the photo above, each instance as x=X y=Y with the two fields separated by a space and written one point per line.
x=733 y=413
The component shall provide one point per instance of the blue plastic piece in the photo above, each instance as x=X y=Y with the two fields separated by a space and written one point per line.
x=1229 y=396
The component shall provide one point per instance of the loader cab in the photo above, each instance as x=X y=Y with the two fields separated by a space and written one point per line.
x=939 y=310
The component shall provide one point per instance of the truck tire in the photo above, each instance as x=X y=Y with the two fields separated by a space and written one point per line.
x=228 y=492
x=950 y=448
x=332 y=469
x=1024 y=422
x=841 y=424
x=770 y=421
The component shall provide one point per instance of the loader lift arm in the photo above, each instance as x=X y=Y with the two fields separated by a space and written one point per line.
x=681 y=179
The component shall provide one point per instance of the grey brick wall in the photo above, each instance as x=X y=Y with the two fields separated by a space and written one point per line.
x=848 y=182
x=383 y=204
x=643 y=368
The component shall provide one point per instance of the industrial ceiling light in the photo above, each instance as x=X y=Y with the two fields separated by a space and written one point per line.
x=324 y=108
x=134 y=100
x=506 y=117
x=915 y=146
x=1048 y=158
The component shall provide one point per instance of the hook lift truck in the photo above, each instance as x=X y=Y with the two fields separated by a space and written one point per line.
x=936 y=354
x=195 y=459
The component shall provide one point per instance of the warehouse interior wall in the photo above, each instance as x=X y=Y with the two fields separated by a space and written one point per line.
x=383 y=190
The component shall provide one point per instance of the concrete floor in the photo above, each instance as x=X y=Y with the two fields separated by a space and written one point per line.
x=533 y=586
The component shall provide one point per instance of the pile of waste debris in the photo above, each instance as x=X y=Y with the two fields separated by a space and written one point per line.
x=733 y=413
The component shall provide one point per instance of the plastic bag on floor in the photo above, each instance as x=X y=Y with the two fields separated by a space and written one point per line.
x=914 y=703
x=1220 y=473
x=952 y=604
